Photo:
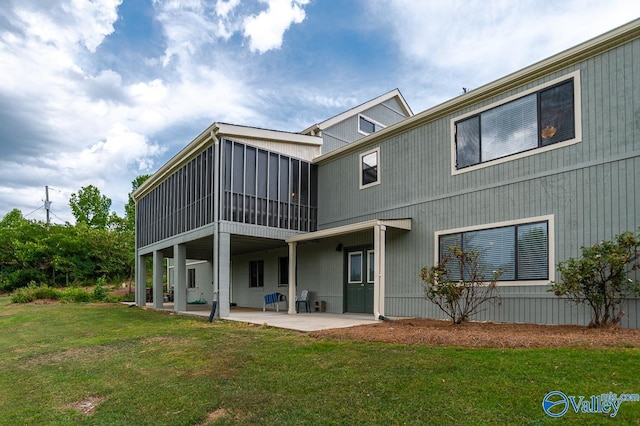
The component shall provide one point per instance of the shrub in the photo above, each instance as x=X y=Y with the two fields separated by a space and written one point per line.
x=99 y=292
x=34 y=292
x=75 y=295
x=600 y=278
x=457 y=284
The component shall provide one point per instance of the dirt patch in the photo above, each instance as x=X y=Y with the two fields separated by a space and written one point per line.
x=214 y=415
x=87 y=406
x=485 y=334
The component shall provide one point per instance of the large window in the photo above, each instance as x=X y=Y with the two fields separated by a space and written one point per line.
x=369 y=168
x=256 y=273
x=539 y=119
x=520 y=250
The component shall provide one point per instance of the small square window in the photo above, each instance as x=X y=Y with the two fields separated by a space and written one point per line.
x=369 y=168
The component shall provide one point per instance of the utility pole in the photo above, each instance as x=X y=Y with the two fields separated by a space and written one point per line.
x=47 y=203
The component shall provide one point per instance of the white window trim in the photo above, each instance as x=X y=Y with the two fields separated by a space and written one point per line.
x=370 y=279
x=377 y=182
x=356 y=253
x=369 y=120
x=577 y=100
x=550 y=235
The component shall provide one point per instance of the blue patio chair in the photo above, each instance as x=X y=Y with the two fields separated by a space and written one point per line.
x=303 y=298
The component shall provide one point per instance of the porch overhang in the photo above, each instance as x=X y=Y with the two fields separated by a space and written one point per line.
x=379 y=228
x=404 y=224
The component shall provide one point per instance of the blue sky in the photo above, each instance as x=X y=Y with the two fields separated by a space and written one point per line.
x=98 y=92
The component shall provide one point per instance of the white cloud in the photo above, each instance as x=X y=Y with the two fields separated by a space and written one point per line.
x=267 y=29
x=223 y=8
x=473 y=42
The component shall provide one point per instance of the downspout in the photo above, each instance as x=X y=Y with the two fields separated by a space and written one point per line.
x=216 y=219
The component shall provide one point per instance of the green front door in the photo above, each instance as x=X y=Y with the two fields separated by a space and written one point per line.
x=359 y=280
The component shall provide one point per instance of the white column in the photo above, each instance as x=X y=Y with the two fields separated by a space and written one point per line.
x=224 y=276
x=379 y=246
x=180 y=277
x=292 y=277
x=141 y=281
x=157 y=279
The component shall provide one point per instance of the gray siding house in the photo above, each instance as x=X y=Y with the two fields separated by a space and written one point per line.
x=526 y=169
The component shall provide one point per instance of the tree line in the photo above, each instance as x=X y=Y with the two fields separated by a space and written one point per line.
x=100 y=244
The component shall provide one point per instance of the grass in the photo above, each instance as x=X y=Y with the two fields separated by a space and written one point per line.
x=147 y=367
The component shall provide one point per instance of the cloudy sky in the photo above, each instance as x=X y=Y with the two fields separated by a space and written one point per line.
x=101 y=91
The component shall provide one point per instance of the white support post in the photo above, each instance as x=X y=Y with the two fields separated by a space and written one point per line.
x=224 y=276
x=180 y=277
x=158 y=293
x=292 y=278
x=379 y=246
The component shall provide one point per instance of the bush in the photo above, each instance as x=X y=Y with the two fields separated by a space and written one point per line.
x=75 y=295
x=34 y=292
x=600 y=278
x=99 y=292
x=457 y=284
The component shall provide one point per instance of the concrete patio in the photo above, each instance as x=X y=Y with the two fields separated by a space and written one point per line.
x=303 y=321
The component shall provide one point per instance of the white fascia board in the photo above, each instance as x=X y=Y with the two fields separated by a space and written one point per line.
x=348 y=229
x=360 y=108
x=230 y=130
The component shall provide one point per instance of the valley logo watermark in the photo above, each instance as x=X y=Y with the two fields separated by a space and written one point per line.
x=556 y=403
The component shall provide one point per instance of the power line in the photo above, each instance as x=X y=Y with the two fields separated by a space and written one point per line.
x=34 y=211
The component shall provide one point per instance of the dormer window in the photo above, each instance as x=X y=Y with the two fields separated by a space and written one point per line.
x=367 y=126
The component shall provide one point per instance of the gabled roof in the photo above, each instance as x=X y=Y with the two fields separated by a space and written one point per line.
x=562 y=60
x=360 y=108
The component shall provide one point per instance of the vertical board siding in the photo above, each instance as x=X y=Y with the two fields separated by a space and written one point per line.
x=590 y=188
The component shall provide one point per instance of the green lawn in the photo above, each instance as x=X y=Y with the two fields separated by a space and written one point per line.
x=148 y=367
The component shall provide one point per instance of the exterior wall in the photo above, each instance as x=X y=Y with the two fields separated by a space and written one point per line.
x=320 y=270
x=204 y=280
x=304 y=152
x=345 y=132
x=245 y=296
x=590 y=188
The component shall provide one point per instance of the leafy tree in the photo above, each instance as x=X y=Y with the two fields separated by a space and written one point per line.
x=600 y=277
x=457 y=284
x=60 y=254
x=90 y=207
x=130 y=207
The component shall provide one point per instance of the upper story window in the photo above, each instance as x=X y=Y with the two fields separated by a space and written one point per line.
x=542 y=118
x=369 y=168
x=367 y=126
x=521 y=249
